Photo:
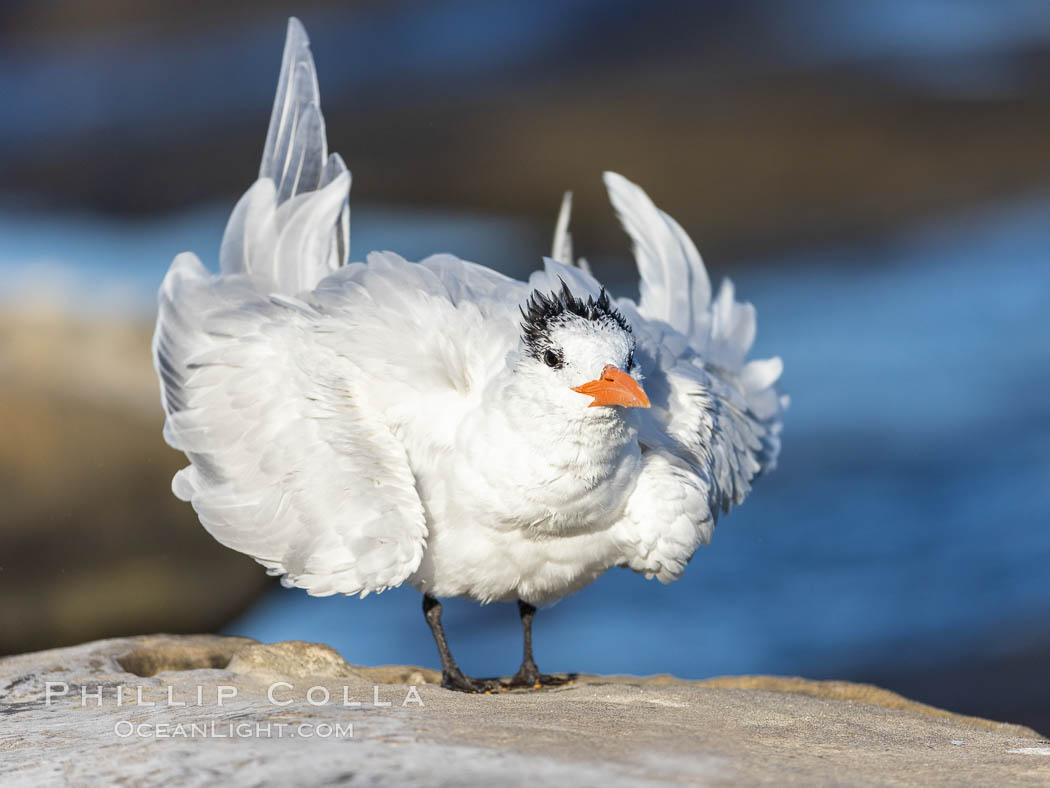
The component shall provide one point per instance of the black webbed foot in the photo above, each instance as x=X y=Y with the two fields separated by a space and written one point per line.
x=529 y=675
x=458 y=681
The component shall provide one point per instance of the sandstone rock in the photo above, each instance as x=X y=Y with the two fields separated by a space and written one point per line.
x=201 y=710
x=292 y=659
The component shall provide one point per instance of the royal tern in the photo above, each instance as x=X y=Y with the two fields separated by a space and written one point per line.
x=355 y=426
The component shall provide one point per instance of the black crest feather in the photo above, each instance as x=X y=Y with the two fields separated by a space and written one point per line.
x=543 y=310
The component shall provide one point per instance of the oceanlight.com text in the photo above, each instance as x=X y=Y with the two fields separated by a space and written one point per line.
x=228 y=730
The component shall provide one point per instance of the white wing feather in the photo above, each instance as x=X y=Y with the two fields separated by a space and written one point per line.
x=716 y=419
x=561 y=248
x=289 y=461
x=292 y=227
x=674 y=286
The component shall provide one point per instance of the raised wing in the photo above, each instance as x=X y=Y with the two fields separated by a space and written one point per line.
x=674 y=285
x=716 y=418
x=291 y=462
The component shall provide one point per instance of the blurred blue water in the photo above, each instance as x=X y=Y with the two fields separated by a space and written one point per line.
x=909 y=520
x=962 y=48
x=145 y=90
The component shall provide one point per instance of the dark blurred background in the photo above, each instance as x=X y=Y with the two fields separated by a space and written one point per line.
x=875 y=176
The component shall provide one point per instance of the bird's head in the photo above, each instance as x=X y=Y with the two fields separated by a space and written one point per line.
x=581 y=353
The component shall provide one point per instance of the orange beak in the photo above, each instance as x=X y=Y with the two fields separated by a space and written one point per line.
x=614 y=387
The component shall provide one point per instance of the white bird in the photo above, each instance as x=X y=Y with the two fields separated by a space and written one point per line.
x=353 y=427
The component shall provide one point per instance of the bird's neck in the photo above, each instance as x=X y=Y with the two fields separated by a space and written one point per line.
x=558 y=425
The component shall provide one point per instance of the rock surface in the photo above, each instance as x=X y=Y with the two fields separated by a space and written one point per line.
x=232 y=710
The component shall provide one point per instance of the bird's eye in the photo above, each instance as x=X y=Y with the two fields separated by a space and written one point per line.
x=551 y=359
x=630 y=360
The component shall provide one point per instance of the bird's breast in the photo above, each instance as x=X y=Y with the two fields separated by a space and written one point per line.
x=547 y=483
x=527 y=514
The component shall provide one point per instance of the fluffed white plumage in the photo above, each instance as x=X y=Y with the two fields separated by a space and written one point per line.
x=356 y=426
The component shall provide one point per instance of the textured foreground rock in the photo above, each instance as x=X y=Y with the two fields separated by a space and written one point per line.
x=233 y=710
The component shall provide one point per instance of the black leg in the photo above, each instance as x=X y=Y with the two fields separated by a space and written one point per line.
x=528 y=674
x=451 y=676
